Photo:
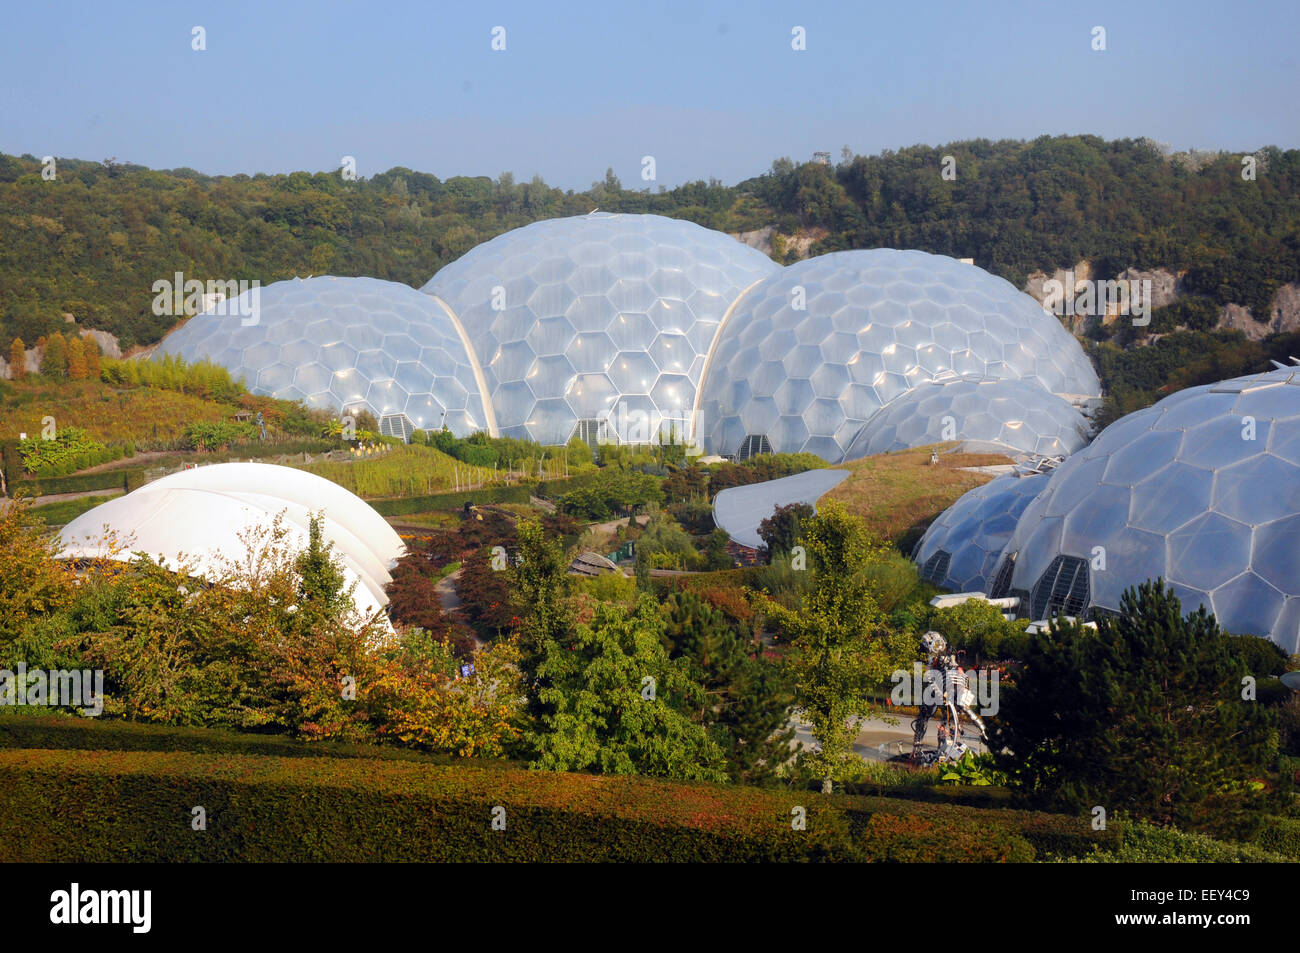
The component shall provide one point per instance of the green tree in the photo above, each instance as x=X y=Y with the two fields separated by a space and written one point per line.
x=716 y=553
x=537 y=588
x=1143 y=717
x=54 y=363
x=617 y=704
x=325 y=593
x=842 y=648
x=32 y=584
x=780 y=531
x=977 y=627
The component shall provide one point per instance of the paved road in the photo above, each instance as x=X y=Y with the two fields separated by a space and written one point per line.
x=879 y=741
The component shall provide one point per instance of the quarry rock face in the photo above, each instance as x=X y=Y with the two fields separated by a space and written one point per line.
x=1235 y=317
x=1165 y=285
x=1283 y=315
x=107 y=342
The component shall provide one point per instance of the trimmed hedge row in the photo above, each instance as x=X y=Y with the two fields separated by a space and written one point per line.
x=121 y=478
x=105 y=806
x=408 y=505
x=136 y=805
x=20 y=729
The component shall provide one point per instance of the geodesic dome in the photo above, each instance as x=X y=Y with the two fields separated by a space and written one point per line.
x=344 y=344
x=1016 y=417
x=811 y=353
x=199 y=517
x=573 y=317
x=960 y=550
x=1202 y=489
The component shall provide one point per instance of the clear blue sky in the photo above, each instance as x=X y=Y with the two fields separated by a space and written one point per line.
x=708 y=89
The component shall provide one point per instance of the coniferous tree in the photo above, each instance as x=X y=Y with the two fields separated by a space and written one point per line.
x=54 y=363
x=746 y=701
x=17 y=360
x=76 y=360
x=1145 y=717
x=93 y=367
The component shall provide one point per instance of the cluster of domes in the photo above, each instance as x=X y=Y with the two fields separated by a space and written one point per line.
x=961 y=548
x=1201 y=489
x=632 y=327
x=814 y=352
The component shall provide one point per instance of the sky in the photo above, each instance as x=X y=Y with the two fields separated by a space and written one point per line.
x=708 y=89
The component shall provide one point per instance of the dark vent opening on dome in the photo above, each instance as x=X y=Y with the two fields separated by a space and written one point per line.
x=1063 y=588
x=753 y=445
x=936 y=567
x=1002 y=578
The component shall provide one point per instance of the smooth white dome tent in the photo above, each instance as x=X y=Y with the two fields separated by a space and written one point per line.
x=199 y=515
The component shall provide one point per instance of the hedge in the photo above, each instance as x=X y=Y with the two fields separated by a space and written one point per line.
x=406 y=506
x=1280 y=835
x=135 y=805
x=103 y=806
x=28 y=728
x=104 y=480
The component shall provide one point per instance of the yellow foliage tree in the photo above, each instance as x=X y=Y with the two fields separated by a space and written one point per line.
x=92 y=358
x=32 y=584
x=76 y=360
x=17 y=359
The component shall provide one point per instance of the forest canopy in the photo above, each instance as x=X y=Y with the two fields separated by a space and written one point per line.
x=92 y=240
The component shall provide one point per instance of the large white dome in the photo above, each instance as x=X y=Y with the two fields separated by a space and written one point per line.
x=960 y=549
x=578 y=318
x=198 y=516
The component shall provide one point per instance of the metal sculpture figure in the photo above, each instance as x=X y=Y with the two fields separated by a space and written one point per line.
x=947 y=688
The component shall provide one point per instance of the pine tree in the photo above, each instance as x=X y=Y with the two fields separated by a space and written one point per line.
x=76 y=360
x=17 y=360
x=325 y=593
x=54 y=363
x=1143 y=717
x=747 y=702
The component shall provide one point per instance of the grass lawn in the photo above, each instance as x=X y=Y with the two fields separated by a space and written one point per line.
x=900 y=494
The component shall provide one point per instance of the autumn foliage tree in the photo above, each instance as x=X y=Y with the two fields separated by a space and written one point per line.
x=76 y=360
x=93 y=367
x=17 y=359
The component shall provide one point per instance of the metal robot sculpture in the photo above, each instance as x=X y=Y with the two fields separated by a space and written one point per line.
x=946 y=686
